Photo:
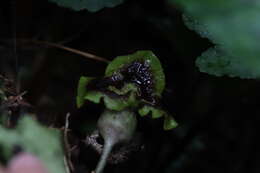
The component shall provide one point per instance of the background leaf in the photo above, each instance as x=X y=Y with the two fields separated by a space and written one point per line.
x=232 y=25
x=217 y=62
x=91 y=5
x=32 y=138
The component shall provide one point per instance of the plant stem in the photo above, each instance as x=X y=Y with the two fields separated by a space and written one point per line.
x=108 y=146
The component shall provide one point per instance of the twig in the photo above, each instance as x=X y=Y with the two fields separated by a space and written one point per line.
x=59 y=46
x=85 y=54
x=65 y=160
x=67 y=145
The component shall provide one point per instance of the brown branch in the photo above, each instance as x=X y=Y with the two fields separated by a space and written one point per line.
x=59 y=46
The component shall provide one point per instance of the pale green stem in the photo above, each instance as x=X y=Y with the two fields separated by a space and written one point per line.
x=108 y=146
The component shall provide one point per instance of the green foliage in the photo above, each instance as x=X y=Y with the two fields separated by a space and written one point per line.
x=216 y=62
x=125 y=97
x=91 y=5
x=234 y=27
x=34 y=139
x=113 y=103
x=122 y=101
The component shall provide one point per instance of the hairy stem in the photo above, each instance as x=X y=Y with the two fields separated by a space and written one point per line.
x=108 y=146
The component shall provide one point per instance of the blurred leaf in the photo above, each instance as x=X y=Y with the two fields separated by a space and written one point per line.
x=143 y=56
x=216 y=62
x=232 y=25
x=195 y=25
x=32 y=138
x=91 y=5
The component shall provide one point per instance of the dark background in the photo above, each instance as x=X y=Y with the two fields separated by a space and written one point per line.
x=217 y=116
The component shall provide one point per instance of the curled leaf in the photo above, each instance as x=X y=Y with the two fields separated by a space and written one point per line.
x=82 y=90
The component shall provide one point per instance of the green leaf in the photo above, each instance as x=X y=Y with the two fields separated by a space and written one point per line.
x=169 y=123
x=217 y=62
x=145 y=56
x=121 y=103
x=145 y=110
x=126 y=97
x=42 y=142
x=156 y=112
x=116 y=103
x=195 y=25
x=91 y=5
x=232 y=25
x=82 y=90
x=119 y=93
x=94 y=96
x=116 y=98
